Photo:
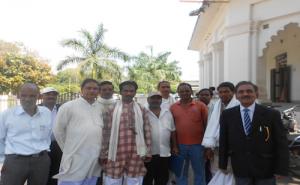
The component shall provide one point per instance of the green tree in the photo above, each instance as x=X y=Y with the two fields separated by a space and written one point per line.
x=16 y=69
x=95 y=58
x=148 y=70
x=67 y=81
x=7 y=47
x=68 y=76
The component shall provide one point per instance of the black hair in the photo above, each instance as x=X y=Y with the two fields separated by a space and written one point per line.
x=163 y=81
x=212 y=88
x=128 y=82
x=184 y=84
x=206 y=89
x=105 y=83
x=88 y=80
x=246 y=83
x=227 y=84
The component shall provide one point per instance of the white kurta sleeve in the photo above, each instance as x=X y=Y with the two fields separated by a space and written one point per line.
x=60 y=126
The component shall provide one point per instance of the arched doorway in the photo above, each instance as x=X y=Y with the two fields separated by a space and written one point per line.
x=282 y=65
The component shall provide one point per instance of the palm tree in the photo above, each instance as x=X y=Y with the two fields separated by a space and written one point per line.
x=148 y=70
x=94 y=57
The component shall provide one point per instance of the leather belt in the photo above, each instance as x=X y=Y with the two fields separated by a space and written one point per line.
x=31 y=155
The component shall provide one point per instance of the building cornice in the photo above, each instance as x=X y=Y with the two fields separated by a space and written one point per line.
x=203 y=24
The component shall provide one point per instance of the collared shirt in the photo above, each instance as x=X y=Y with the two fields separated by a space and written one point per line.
x=190 y=121
x=23 y=134
x=250 y=112
x=161 y=128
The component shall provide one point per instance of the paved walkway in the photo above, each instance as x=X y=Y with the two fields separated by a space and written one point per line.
x=288 y=181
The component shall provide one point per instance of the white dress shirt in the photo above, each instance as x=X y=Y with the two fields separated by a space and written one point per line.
x=161 y=129
x=250 y=112
x=23 y=134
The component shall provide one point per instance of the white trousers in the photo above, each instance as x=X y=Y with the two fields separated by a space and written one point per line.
x=127 y=181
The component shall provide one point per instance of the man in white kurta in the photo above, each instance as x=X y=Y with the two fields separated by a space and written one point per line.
x=78 y=131
x=211 y=136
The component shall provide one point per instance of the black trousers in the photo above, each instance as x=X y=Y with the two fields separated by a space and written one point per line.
x=208 y=174
x=157 y=171
x=17 y=169
x=255 y=181
x=55 y=157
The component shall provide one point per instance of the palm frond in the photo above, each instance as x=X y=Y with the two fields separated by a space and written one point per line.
x=75 y=44
x=99 y=35
x=163 y=56
x=88 y=37
x=69 y=60
x=114 y=53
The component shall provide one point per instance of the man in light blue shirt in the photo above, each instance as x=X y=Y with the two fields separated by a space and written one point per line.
x=24 y=140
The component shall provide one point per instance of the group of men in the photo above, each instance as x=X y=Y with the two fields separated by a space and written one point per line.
x=132 y=143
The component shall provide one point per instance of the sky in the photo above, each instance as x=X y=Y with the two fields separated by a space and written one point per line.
x=132 y=26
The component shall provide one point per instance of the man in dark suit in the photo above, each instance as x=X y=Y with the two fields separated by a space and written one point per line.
x=49 y=97
x=254 y=138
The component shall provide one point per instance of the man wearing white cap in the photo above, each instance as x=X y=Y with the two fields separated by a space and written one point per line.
x=49 y=97
x=162 y=130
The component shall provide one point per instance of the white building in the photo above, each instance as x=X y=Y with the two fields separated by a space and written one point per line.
x=256 y=40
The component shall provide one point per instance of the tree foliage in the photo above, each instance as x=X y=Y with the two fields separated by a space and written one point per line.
x=67 y=81
x=17 y=67
x=67 y=76
x=148 y=70
x=95 y=58
x=7 y=47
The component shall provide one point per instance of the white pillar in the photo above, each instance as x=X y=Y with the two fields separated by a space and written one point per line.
x=207 y=70
x=254 y=46
x=217 y=63
x=201 y=73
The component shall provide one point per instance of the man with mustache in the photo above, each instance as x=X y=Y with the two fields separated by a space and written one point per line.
x=190 y=118
x=254 y=138
x=164 y=88
x=78 y=131
x=106 y=91
x=162 y=130
x=49 y=98
x=24 y=140
x=126 y=139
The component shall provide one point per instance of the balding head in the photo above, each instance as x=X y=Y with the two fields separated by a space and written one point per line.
x=28 y=94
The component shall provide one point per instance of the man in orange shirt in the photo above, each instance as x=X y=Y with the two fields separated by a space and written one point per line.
x=190 y=120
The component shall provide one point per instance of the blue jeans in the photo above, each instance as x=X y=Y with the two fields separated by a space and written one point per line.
x=195 y=155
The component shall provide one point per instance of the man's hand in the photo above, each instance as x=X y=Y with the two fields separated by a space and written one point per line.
x=175 y=150
x=146 y=159
x=209 y=154
x=102 y=161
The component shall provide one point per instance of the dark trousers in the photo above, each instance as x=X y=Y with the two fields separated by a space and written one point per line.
x=208 y=174
x=55 y=157
x=157 y=171
x=17 y=169
x=254 y=181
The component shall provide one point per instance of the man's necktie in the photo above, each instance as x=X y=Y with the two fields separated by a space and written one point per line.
x=247 y=121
